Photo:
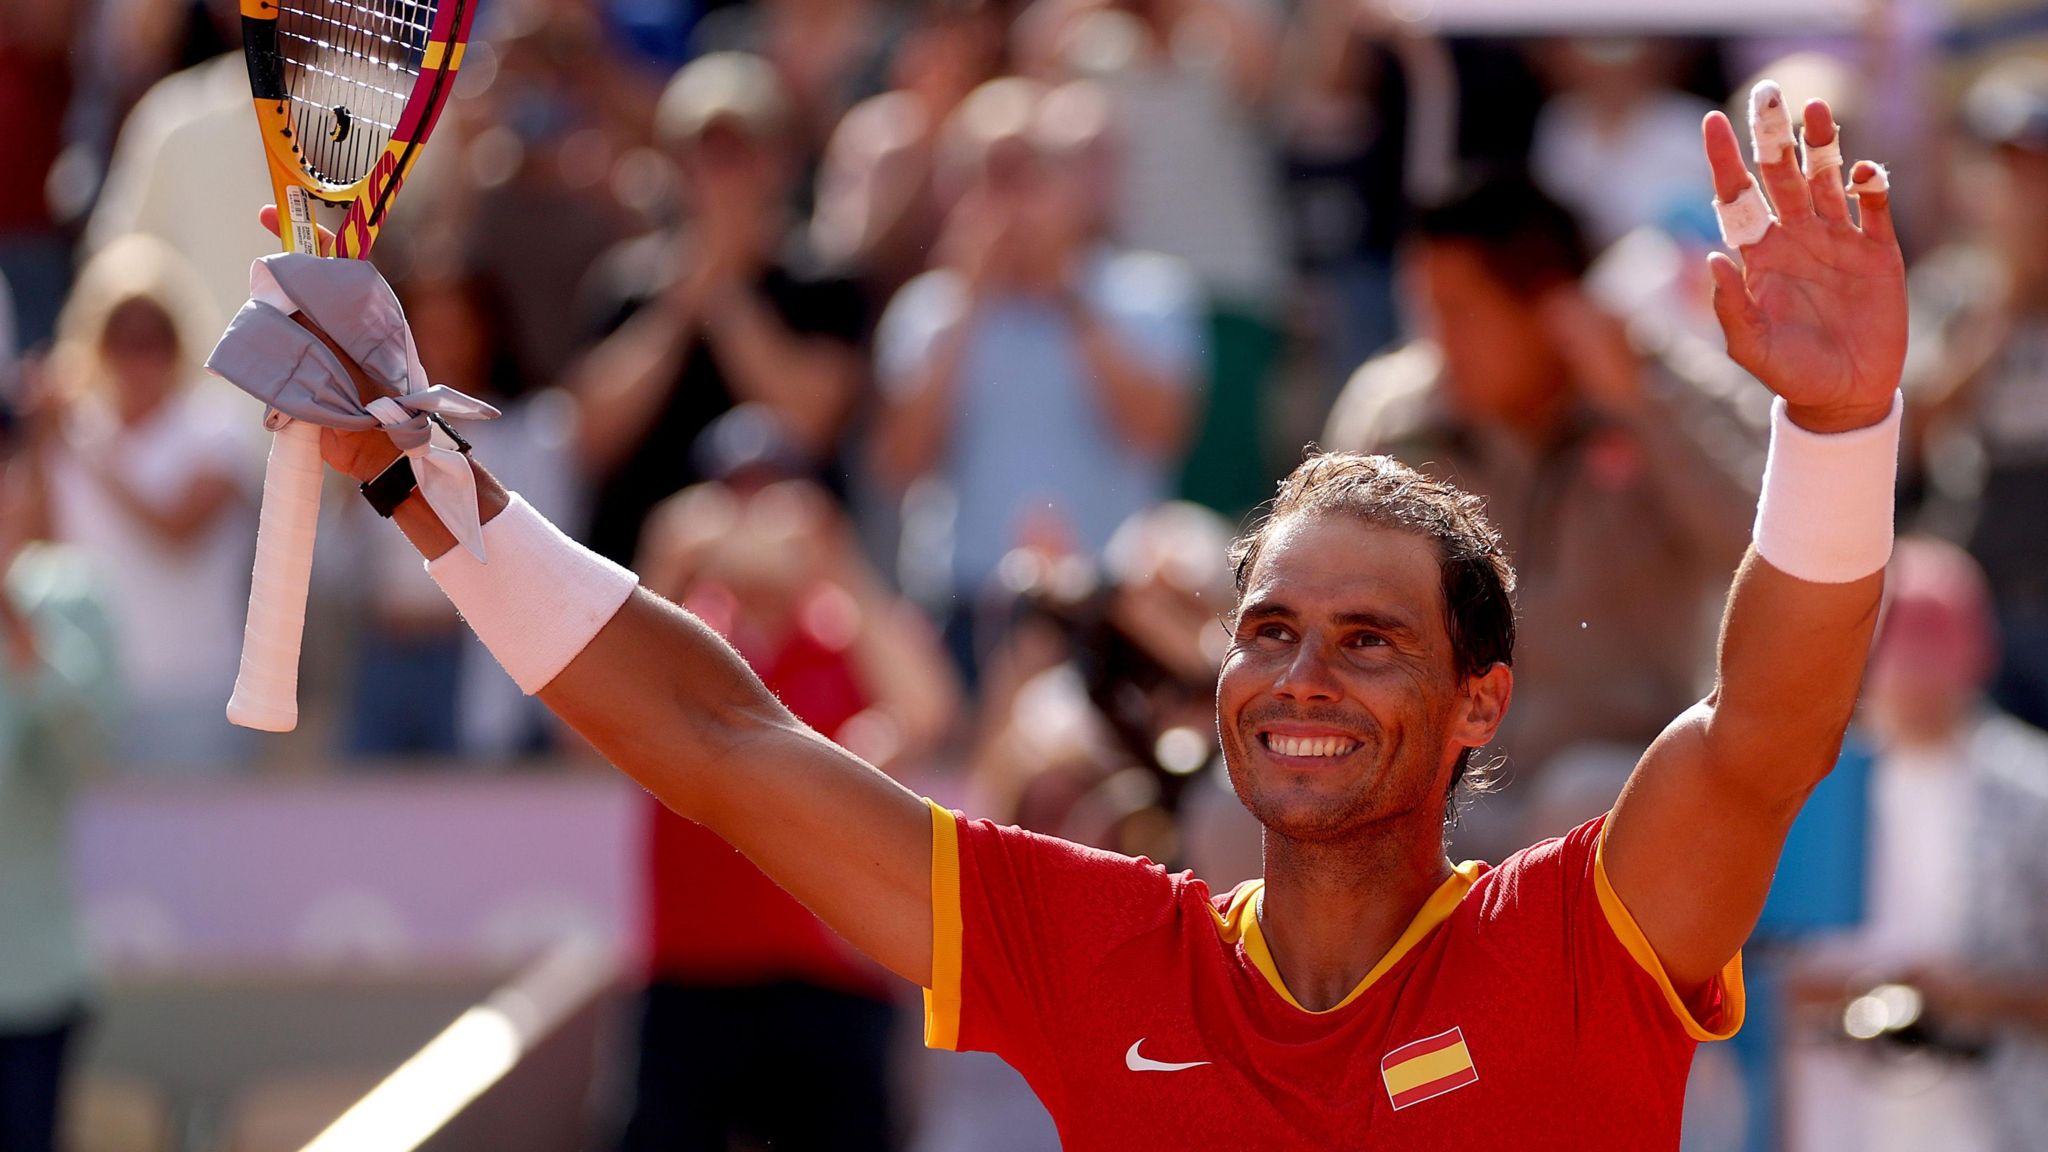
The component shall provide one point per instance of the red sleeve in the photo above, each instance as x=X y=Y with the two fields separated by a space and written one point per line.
x=1608 y=960
x=1021 y=921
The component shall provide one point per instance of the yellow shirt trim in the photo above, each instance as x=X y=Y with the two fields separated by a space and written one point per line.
x=1241 y=922
x=942 y=999
x=1632 y=938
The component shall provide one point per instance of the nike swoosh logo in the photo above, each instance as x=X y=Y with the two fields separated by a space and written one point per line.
x=1137 y=1063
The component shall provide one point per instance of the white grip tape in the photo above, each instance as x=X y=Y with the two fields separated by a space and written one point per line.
x=1745 y=219
x=1826 y=510
x=1819 y=158
x=1770 y=122
x=266 y=695
x=539 y=601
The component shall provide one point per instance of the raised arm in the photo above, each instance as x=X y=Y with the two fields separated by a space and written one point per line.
x=669 y=702
x=665 y=699
x=1817 y=311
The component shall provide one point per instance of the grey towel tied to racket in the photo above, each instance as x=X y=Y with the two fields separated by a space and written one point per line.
x=269 y=355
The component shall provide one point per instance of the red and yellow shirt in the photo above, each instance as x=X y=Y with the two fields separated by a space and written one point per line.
x=1521 y=1009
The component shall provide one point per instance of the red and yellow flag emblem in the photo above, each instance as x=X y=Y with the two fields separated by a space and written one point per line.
x=1427 y=1068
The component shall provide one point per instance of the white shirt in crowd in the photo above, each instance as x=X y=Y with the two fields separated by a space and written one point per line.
x=1918 y=860
x=1643 y=173
x=177 y=608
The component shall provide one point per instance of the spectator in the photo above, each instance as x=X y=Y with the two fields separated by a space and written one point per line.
x=732 y=1018
x=545 y=140
x=1955 y=898
x=724 y=312
x=188 y=169
x=1369 y=111
x=56 y=672
x=878 y=212
x=155 y=480
x=35 y=88
x=1616 y=486
x=1097 y=725
x=423 y=685
x=1977 y=376
x=1044 y=375
x=1188 y=84
x=1617 y=142
x=829 y=55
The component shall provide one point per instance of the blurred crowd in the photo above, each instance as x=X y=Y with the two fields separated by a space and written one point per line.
x=933 y=350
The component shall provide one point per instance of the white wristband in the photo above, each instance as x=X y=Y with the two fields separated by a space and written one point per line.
x=1826 y=510
x=541 y=598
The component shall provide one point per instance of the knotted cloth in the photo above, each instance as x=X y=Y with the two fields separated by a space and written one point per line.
x=272 y=357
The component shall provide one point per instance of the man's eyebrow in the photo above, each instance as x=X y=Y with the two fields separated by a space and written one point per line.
x=1265 y=610
x=1379 y=621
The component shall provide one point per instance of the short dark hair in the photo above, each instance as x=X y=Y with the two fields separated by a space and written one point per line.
x=1477 y=581
x=1528 y=241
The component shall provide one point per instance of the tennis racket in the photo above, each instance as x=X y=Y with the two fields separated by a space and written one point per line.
x=346 y=93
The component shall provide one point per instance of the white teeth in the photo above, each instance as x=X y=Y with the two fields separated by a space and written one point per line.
x=1310 y=746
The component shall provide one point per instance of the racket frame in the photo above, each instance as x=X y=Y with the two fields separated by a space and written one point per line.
x=266 y=687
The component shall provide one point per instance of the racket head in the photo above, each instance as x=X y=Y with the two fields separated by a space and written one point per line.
x=346 y=93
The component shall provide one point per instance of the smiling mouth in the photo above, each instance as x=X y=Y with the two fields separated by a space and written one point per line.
x=1315 y=746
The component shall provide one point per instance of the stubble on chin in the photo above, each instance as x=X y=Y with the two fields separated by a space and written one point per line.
x=1300 y=811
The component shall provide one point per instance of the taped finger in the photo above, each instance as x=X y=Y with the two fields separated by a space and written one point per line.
x=1871 y=186
x=1870 y=179
x=1771 y=139
x=1820 y=158
x=1770 y=123
x=1745 y=219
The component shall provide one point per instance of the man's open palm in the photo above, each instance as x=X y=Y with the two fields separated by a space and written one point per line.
x=1816 y=308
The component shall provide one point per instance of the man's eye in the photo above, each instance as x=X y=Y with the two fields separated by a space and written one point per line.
x=1273 y=632
x=1368 y=640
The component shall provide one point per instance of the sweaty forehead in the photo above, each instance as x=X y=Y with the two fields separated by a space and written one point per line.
x=1331 y=562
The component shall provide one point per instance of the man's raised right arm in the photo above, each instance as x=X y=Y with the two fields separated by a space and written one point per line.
x=669 y=702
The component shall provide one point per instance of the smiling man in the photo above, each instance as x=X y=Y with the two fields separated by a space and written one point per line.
x=1365 y=992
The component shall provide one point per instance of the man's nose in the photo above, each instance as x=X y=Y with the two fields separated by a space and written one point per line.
x=1308 y=675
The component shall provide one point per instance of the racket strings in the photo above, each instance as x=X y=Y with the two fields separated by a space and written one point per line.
x=389 y=43
x=349 y=70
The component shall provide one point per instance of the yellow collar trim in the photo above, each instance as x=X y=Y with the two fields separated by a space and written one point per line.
x=1240 y=922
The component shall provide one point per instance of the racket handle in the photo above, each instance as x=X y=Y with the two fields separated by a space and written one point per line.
x=267 y=688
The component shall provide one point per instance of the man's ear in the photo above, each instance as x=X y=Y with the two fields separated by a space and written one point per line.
x=1483 y=707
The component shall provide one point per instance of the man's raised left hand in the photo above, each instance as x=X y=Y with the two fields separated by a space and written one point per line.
x=1816 y=308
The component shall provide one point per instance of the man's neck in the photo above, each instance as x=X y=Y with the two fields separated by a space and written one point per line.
x=1330 y=911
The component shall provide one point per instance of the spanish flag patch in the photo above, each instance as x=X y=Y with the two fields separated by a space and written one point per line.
x=1427 y=1068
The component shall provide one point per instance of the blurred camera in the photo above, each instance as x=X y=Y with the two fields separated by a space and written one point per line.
x=1142 y=700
